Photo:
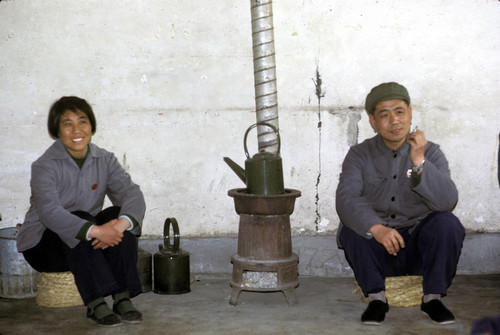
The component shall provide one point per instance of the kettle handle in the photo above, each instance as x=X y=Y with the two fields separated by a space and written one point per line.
x=166 y=234
x=261 y=124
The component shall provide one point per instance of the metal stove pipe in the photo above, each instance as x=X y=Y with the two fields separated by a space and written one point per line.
x=264 y=64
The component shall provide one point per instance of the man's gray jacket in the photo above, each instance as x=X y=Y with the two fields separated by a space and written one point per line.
x=375 y=187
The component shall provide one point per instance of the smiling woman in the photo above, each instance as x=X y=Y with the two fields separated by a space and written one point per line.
x=66 y=228
x=75 y=133
x=75 y=126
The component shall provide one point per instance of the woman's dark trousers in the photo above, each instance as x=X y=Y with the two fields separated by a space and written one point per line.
x=98 y=273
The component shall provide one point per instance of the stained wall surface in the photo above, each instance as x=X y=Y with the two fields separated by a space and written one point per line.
x=171 y=84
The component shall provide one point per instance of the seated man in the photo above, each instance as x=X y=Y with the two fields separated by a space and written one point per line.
x=394 y=200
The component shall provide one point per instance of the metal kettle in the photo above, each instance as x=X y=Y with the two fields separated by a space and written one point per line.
x=263 y=173
x=171 y=264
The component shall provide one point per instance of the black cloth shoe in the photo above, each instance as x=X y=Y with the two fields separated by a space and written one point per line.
x=437 y=312
x=129 y=315
x=110 y=320
x=374 y=314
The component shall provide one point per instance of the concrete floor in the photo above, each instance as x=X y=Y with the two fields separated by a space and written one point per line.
x=325 y=306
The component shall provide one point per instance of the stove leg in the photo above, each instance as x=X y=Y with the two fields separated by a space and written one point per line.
x=290 y=296
x=234 y=296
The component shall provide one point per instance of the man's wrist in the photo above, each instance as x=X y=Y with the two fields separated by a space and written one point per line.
x=373 y=229
x=419 y=166
x=416 y=169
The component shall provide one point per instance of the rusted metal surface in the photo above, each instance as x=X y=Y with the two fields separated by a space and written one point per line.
x=265 y=244
x=258 y=204
x=264 y=237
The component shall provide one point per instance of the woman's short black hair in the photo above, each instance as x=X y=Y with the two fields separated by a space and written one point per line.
x=64 y=104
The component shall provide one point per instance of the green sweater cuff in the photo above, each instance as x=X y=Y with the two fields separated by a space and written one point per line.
x=83 y=232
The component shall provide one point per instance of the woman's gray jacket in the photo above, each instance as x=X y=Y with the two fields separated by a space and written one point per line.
x=59 y=187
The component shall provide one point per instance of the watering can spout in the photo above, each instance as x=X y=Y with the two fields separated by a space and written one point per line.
x=240 y=172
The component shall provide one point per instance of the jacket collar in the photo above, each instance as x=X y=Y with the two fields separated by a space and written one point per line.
x=404 y=149
x=57 y=151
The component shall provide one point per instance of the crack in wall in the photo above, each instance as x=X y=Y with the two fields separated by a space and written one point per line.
x=319 y=94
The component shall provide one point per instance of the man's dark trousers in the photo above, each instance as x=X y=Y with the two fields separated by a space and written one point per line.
x=432 y=249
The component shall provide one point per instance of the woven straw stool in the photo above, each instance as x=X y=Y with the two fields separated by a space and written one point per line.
x=58 y=289
x=403 y=291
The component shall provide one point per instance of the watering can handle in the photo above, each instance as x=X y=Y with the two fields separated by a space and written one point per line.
x=166 y=234
x=261 y=124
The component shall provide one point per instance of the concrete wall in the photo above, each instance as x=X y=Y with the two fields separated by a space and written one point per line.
x=171 y=84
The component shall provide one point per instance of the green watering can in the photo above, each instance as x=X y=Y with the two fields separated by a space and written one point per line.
x=263 y=173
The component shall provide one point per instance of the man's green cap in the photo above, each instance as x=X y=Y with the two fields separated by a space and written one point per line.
x=383 y=92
